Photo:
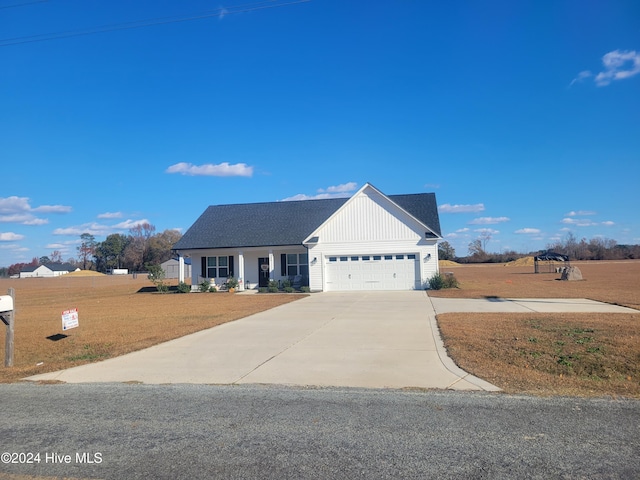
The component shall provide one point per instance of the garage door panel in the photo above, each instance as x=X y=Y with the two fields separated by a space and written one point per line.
x=371 y=272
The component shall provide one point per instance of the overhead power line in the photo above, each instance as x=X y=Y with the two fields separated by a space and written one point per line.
x=219 y=12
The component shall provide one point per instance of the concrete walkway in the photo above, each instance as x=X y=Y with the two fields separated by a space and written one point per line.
x=368 y=339
x=523 y=305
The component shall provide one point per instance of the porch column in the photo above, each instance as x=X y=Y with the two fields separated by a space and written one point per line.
x=240 y=271
x=271 y=265
x=180 y=268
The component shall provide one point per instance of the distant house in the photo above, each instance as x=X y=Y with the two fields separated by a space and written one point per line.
x=172 y=268
x=47 y=270
x=370 y=241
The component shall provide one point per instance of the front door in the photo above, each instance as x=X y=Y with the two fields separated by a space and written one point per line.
x=263 y=272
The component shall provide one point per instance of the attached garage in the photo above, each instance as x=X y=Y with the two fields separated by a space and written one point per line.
x=372 y=272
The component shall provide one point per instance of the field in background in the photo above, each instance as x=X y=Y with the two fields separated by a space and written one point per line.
x=582 y=354
x=117 y=315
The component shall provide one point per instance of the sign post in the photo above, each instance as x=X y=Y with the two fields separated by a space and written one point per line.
x=7 y=316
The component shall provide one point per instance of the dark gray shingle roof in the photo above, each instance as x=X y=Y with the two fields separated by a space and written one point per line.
x=283 y=223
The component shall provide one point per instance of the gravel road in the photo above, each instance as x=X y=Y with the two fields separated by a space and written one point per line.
x=122 y=431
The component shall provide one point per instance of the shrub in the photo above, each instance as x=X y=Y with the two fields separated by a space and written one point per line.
x=262 y=290
x=183 y=288
x=273 y=286
x=286 y=283
x=450 y=281
x=232 y=282
x=436 y=282
x=205 y=286
x=305 y=289
x=156 y=275
x=289 y=289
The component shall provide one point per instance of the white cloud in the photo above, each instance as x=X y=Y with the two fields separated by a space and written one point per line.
x=98 y=229
x=302 y=196
x=342 y=188
x=578 y=222
x=608 y=223
x=52 y=209
x=488 y=220
x=618 y=65
x=447 y=208
x=127 y=224
x=110 y=215
x=18 y=210
x=336 y=191
x=57 y=246
x=489 y=231
x=581 y=213
x=527 y=231
x=14 y=204
x=581 y=76
x=10 y=237
x=224 y=169
x=36 y=221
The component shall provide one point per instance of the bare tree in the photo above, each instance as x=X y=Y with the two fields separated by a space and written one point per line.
x=136 y=250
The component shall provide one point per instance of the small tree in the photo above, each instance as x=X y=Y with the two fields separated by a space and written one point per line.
x=156 y=275
x=87 y=248
x=446 y=251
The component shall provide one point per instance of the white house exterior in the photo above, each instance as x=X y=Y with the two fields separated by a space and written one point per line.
x=370 y=241
x=47 y=270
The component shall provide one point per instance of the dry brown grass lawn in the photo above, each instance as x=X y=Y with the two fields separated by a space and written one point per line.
x=581 y=354
x=117 y=315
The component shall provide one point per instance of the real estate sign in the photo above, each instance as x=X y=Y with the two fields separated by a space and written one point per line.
x=70 y=319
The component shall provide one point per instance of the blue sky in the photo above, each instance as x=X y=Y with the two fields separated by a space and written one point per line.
x=522 y=117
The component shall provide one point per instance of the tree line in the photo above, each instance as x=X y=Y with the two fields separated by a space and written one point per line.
x=136 y=251
x=594 y=249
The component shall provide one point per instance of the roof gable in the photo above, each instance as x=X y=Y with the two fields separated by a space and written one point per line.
x=286 y=223
x=370 y=213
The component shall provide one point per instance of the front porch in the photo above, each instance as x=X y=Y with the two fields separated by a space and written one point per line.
x=253 y=267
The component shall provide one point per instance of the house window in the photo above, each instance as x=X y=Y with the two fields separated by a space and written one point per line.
x=411 y=257
x=377 y=257
x=217 y=267
x=298 y=264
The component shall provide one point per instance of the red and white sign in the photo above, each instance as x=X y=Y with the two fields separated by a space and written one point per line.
x=70 y=319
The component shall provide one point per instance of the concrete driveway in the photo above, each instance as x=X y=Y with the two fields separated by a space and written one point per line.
x=367 y=339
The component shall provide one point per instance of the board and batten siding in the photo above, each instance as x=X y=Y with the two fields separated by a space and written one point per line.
x=370 y=224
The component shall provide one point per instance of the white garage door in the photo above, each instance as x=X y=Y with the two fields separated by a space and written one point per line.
x=371 y=272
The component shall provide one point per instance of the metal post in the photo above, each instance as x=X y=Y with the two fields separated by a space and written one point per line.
x=9 y=319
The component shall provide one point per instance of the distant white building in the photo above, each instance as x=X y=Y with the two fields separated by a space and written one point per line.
x=172 y=268
x=48 y=270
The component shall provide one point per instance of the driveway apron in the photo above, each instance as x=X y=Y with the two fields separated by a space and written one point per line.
x=355 y=339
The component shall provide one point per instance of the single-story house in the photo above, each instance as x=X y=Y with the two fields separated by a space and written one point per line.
x=47 y=270
x=369 y=241
x=172 y=268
